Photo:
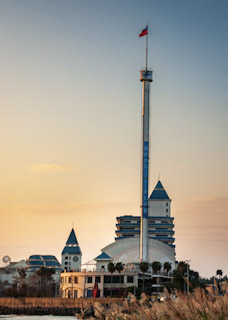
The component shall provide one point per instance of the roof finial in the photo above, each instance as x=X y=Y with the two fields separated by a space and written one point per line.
x=159 y=176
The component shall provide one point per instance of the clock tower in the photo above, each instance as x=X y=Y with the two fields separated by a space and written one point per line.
x=71 y=254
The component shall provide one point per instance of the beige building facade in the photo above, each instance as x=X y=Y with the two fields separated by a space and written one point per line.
x=82 y=284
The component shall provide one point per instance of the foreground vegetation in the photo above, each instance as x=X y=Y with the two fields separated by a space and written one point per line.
x=193 y=306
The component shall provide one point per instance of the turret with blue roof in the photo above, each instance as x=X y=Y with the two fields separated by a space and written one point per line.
x=102 y=261
x=160 y=221
x=159 y=202
x=71 y=254
x=159 y=193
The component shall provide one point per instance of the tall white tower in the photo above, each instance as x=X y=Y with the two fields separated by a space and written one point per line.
x=146 y=78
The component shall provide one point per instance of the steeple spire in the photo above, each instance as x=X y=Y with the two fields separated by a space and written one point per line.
x=72 y=240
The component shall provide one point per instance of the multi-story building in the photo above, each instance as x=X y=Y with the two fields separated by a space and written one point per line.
x=36 y=261
x=83 y=284
x=160 y=226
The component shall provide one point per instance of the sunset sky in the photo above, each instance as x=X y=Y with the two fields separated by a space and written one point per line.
x=70 y=123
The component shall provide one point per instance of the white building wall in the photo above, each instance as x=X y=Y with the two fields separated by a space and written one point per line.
x=71 y=263
x=127 y=251
x=159 y=208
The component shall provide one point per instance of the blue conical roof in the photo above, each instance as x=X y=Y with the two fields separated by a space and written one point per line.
x=159 y=193
x=72 y=240
x=103 y=256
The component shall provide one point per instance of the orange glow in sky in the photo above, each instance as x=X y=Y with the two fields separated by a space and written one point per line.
x=70 y=123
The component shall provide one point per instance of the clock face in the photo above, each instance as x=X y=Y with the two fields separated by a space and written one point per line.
x=75 y=258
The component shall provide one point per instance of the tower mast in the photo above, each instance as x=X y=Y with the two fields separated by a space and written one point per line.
x=146 y=79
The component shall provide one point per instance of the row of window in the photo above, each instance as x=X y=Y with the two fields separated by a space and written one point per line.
x=107 y=279
x=75 y=293
x=69 y=280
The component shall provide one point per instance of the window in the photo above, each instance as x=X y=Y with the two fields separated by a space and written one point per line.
x=118 y=279
x=75 y=293
x=89 y=293
x=66 y=258
x=66 y=262
x=75 y=279
x=167 y=210
x=97 y=279
x=69 y=280
x=107 y=279
x=130 y=279
x=167 y=204
x=89 y=279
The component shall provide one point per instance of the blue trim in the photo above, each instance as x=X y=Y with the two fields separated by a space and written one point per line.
x=72 y=250
x=103 y=256
x=145 y=179
x=162 y=231
x=139 y=218
x=162 y=218
x=150 y=231
x=128 y=224
x=128 y=217
x=163 y=238
x=171 y=225
x=128 y=231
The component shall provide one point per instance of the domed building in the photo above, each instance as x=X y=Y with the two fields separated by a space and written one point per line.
x=160 y=233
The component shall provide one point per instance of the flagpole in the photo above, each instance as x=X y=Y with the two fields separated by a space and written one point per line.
x=147 y=45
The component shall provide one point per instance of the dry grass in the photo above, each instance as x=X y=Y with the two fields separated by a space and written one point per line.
x=195 y=306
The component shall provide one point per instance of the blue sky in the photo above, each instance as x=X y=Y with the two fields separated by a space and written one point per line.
x=71 y=99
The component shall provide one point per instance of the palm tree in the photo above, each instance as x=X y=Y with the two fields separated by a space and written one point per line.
x=156 y=266
x=45 y=275
x=144 y=267
x=167 y=266
x=111 y=268
x=23 y=286
x=119 y=267
x=182 y=267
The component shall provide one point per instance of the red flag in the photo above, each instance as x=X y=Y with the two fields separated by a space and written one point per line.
x=144 y=32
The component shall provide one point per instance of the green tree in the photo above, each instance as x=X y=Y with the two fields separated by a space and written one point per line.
x=156 y=266
x=119 y=267
x=143 y=266
x=181 y=272
x=111 y=268
x=45 y=275
x=167 y=266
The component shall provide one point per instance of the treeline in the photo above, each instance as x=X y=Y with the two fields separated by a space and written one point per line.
x=39 y=284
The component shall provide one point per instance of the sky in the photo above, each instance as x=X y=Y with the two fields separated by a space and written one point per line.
x=70 y=125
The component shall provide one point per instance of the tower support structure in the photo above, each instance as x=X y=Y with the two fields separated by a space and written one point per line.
x=146 y=78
